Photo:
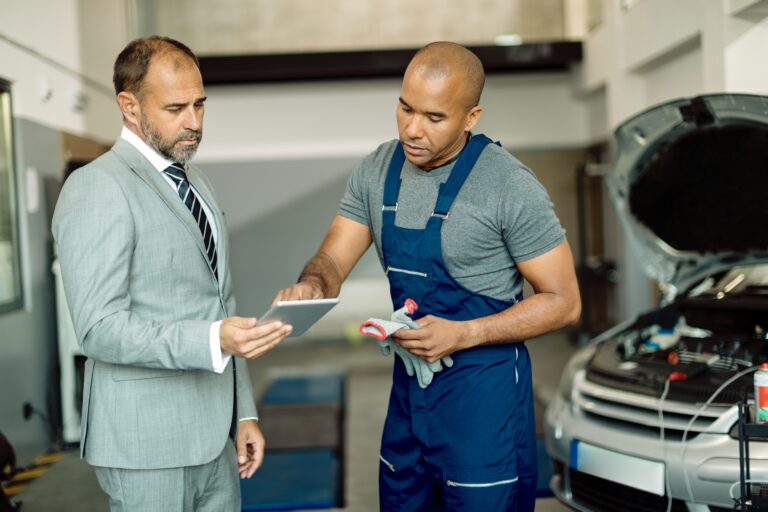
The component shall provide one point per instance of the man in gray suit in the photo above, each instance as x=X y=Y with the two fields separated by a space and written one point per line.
x=143 y=252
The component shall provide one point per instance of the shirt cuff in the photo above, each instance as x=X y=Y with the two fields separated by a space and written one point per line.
x=218 y=360
x=254 y=419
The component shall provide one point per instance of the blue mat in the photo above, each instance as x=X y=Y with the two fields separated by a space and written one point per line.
x=293 y=480
x=545 y=470
x=305 y=389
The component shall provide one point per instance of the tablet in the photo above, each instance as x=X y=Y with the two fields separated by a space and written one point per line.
x=301 y=314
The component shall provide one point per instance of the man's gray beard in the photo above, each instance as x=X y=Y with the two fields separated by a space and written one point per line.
x=168 y=148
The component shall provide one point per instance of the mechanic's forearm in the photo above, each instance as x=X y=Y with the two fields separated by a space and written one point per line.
x=322 y=271
x=539 y=314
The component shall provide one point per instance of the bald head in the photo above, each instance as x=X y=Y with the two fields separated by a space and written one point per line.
x=443 y=60
x=439 y=103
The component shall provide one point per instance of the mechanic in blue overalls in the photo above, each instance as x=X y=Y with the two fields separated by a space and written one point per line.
x=458 y=223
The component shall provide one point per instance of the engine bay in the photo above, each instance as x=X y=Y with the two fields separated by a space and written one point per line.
x=704 y=338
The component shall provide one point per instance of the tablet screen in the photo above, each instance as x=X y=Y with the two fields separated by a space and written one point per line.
x=301 y=314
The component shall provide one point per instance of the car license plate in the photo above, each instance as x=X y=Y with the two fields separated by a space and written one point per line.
x=646 y=475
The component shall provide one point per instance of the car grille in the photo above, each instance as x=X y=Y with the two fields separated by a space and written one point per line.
x=603 y=495
x=639 y=414
x=600 y=495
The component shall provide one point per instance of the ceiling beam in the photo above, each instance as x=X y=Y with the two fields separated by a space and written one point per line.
x=234 y=69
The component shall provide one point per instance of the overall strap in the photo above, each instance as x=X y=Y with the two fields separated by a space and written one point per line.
x=392 y=186
x=450 y=189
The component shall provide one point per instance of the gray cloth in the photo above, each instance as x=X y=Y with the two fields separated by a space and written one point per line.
x=382 y=330
x=142 y=299
x=501 y=216
x=210 y=487
x=414 y=365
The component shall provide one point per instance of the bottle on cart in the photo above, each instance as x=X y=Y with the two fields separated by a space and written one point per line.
x=761 y=394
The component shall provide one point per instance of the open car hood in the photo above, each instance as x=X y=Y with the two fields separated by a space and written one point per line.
x=689 y=180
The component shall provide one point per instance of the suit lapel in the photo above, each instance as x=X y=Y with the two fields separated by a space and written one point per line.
x=144 y=170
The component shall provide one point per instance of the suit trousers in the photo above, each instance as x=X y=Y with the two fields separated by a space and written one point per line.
x=211 y=487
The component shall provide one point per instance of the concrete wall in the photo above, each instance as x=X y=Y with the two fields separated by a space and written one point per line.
x=58 y=56
x=307 y=120
x=275 y=224
x=269 y=26
x=28 y=336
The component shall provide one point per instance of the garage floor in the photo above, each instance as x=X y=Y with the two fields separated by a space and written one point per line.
x=69 y=484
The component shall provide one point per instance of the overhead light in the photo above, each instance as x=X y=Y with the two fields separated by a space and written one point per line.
x=508 y=40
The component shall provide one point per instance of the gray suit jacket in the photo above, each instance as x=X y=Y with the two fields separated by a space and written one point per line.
x=142 y=299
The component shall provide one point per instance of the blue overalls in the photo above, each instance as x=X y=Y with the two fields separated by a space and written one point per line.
x=467 y=442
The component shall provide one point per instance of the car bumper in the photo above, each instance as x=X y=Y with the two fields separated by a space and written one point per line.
x=697 y=473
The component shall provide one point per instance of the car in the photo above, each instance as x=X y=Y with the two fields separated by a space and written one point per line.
x=646 y=414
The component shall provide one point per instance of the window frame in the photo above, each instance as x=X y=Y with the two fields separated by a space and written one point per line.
x=16 y=301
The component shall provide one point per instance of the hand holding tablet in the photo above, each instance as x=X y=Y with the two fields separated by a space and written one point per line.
x=301 y=314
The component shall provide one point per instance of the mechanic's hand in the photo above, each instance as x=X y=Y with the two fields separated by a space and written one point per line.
x=435 y=339
x=244 y=338
x=250 y=448
x=300 y=291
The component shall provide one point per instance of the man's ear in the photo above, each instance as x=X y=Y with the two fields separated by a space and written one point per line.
x=473 y=116
x=129 y=106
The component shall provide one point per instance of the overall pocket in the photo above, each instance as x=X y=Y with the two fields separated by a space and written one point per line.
x=481 y=489
x=451 y=483
x=407 y=282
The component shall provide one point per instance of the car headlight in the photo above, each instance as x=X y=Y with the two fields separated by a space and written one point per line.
x=577 y=363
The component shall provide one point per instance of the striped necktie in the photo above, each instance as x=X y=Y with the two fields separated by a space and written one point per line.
x=179 y=178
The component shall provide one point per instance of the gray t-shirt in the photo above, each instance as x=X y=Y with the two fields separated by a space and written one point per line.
x=502 y=215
